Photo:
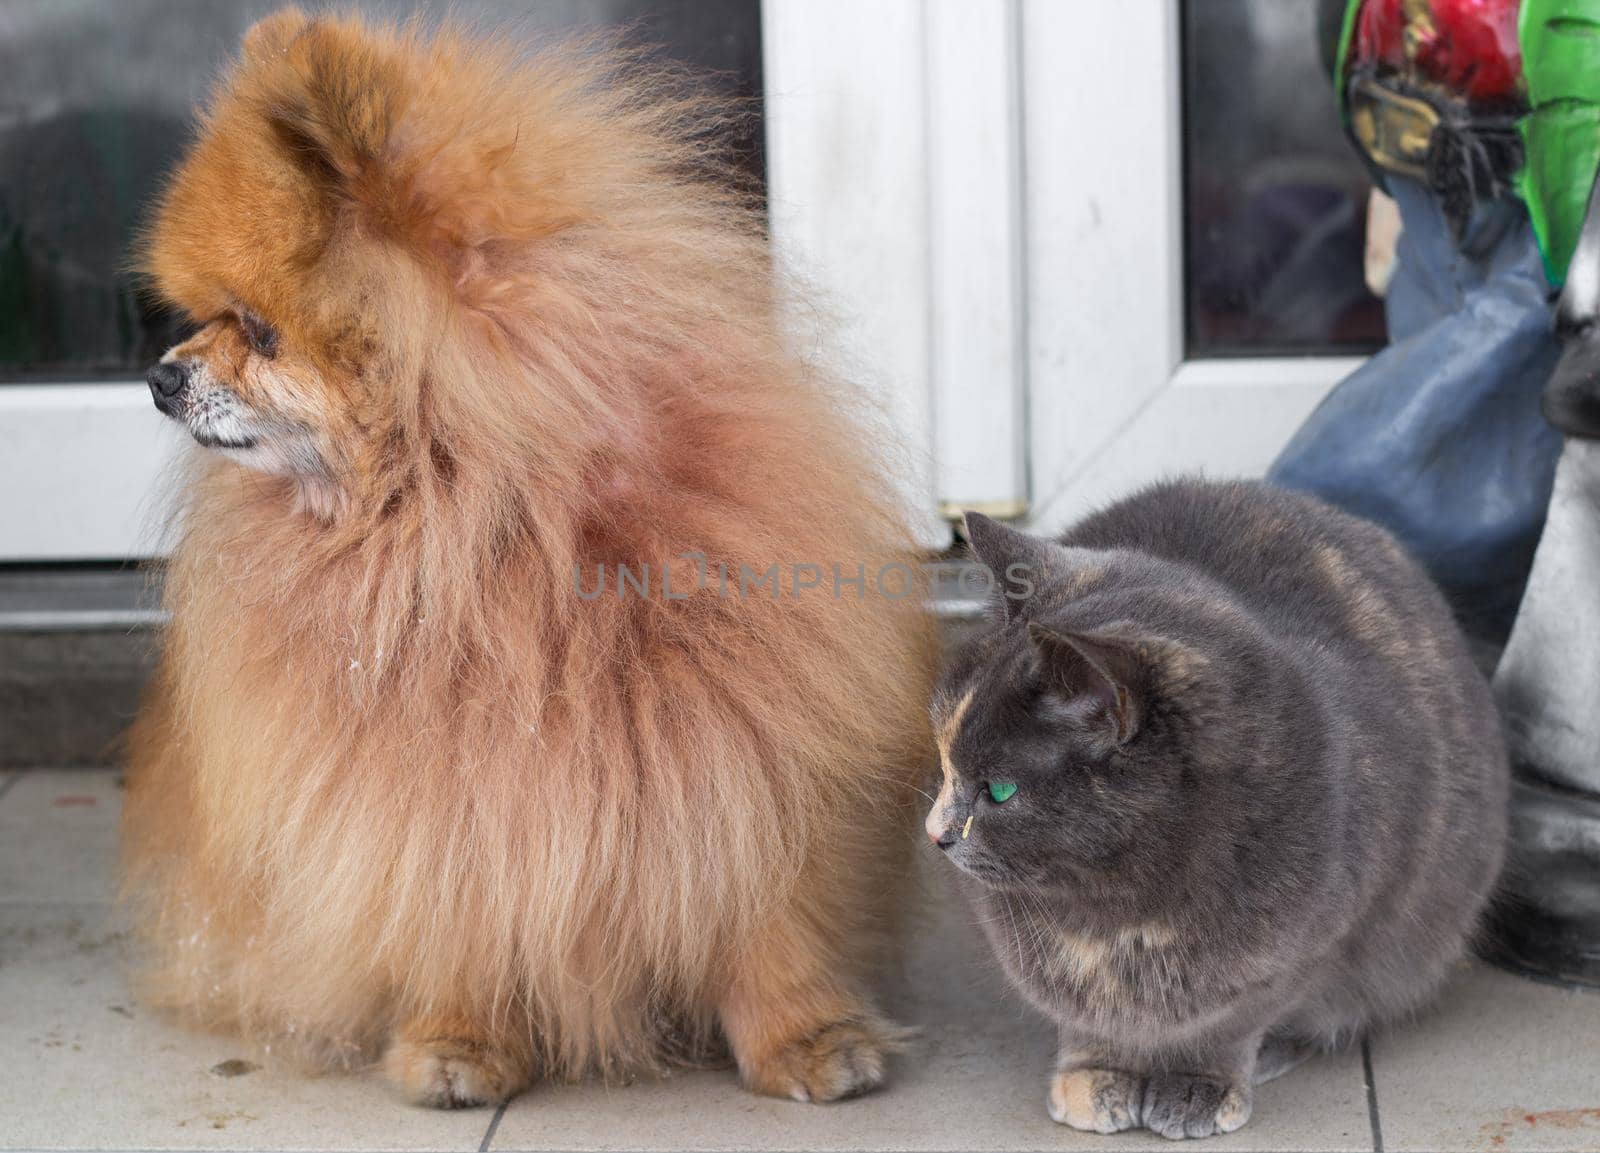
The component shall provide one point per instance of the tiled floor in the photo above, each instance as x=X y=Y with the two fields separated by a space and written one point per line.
x=1503 y=1065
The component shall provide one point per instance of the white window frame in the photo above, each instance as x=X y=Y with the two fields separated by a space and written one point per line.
x=1115 y=403
x=86 y=472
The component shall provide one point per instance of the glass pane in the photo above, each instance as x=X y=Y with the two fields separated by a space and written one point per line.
x=1275 y=195
x=96 y=99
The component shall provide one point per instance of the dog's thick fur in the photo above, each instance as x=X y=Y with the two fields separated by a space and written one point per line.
x=397 y=786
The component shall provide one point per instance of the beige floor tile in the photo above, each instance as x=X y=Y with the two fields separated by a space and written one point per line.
x=87 y=1068
x=976 y=1080
x=1503 y=1064
x=58 y=836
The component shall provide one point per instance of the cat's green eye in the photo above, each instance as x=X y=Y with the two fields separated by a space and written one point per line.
x=1001 y=791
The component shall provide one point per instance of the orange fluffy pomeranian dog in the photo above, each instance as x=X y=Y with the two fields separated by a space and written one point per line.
x=477 y=330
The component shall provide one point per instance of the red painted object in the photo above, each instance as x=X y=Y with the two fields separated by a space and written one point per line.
x=1467 y=46
x=1380 y=34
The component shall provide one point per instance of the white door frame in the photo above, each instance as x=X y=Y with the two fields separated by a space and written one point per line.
x=1039 y=308
x=894 y=185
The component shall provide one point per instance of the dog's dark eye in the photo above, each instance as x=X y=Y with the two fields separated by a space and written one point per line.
x=262 y=336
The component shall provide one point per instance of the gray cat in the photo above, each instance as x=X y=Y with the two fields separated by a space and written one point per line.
x=1225 y=787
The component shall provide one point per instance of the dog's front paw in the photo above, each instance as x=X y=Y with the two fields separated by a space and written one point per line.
x=1096 y=1100
x=1181 y=1105
x=845 y=1059
x=452 y=1072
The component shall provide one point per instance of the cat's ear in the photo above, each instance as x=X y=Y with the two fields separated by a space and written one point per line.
x=1017 y=562
x=1096 y=675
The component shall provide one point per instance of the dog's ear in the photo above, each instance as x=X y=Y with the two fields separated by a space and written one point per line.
x=331 y=92
x=340 y=102
x=271 y=35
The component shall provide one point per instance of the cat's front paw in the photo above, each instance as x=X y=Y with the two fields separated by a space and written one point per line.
x=453 y=1072
x=1096 y=1100
x=842 y=1060
x=1179 y=1105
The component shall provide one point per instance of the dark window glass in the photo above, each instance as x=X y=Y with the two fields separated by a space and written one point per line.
x=96 y=102
x=1275 y=195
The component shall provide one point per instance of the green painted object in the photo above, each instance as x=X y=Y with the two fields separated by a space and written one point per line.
x=1560 y=42
x=1001 y=791
x=1341 y=54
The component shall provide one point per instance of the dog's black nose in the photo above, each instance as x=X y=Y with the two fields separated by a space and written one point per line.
x=168 y=379
x=166 y=382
